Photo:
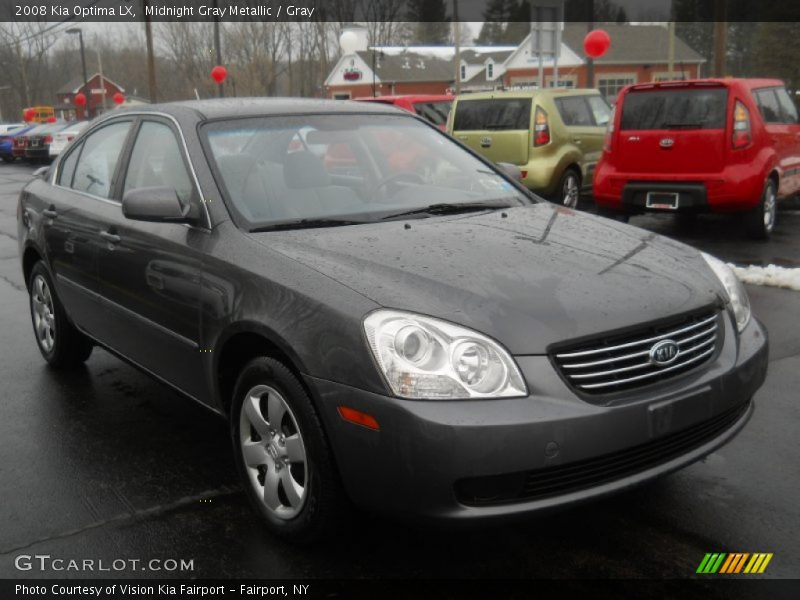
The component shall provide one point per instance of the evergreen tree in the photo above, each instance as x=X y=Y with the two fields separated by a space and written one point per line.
x=495 y=20
x=432 y=25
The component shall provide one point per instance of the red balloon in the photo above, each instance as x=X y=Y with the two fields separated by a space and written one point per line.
x=29 y=114
x=51 y=119
x=79 y=99
x=219 y=73
x=118 y=98
x=596 y=43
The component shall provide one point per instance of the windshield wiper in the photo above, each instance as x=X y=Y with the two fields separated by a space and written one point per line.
x=445 y=208
x=305 y=224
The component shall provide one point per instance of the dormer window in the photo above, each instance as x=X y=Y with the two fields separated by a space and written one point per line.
x=490 y=71
x=463 y=72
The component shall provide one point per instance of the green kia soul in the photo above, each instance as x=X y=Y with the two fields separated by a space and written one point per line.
x=555 y=136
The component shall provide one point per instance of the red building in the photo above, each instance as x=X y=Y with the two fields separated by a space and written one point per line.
x=99 y=92
x=638 y=54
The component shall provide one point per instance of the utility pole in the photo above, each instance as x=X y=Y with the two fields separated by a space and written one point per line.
x=457 y=43
x=218 y=46
x=720 y=37
x=671 y=50
x=79 y=32
x=589 y=59
x=23 y=72
x=100 y=71
x=151 y=64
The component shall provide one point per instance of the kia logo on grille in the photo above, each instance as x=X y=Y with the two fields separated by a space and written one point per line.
x=664 y=353
x=667 y=143
x=486 y=142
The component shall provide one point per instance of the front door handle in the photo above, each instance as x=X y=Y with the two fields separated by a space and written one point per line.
x=50 y=213
x=111 y=238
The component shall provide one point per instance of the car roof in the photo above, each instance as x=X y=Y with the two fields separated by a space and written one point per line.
x=409 y=97
x=529 y=93
x=221 y=108
x=749 y=83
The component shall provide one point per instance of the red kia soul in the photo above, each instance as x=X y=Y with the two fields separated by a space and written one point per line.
x=708 y=145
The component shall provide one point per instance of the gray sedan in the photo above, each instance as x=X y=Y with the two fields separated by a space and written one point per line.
x=383 y=317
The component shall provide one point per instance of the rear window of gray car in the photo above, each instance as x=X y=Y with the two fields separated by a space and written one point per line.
x=683 y=108
x=495 y=114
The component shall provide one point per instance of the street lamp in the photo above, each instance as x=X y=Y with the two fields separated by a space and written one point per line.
x=3 y=88
x=77 y=30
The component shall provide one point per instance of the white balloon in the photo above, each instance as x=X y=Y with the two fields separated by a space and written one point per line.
x=348 y=42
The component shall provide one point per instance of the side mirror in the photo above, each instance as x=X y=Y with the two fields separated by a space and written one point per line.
x=42 y=172
x=512 y=171
x=155 y=204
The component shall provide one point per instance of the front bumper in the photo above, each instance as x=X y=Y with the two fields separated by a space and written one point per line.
x=436 y=458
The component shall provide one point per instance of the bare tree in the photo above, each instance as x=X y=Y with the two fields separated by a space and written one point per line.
x=24 y=50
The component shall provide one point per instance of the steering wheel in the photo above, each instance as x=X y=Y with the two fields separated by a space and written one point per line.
x=409 y=176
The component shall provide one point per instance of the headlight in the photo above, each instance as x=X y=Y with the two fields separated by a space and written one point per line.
x=737 y=295
x=423 y=357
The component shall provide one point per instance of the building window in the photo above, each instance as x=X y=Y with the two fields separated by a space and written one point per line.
x=568 y=81
x=463 y=72
x=665 y=76
x=342 y=96
x=611 y=86
x=490 y=71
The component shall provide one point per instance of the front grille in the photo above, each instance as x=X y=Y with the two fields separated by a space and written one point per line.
x=592 y=472
x=623 y=362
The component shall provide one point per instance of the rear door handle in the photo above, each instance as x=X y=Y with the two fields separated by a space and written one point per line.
x=578 y=141
x=50 y=213
x=111 y=238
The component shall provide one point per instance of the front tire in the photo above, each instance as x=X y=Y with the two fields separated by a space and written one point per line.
x=282 y=454
x=760 y=222
x=60 y=343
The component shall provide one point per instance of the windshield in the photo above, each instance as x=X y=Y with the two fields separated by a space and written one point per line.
x=355 y=168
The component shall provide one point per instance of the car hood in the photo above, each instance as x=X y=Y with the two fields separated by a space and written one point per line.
x=536 y=276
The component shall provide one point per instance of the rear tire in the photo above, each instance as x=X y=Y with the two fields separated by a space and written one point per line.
x=282 y=455
x=569 y=189
x=760 y=222
x=61 y=344
x=8 y=159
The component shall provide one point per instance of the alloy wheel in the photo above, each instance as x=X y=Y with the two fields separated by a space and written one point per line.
x=44 y=321
x=770 y=207
x=570 y=191
x=274 y=452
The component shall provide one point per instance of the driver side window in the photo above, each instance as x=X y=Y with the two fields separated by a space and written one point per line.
x=99 y=158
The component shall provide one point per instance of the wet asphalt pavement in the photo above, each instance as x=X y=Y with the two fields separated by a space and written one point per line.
x=106 y=463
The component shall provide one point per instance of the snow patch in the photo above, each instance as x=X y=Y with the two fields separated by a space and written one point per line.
x=771 y=275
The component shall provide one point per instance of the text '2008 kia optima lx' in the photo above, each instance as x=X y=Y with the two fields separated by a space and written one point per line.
x=383 y=315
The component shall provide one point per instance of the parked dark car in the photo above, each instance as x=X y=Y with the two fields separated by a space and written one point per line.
x=37 y=145
x=7 y=143
x=435 y=342
x=19 y=142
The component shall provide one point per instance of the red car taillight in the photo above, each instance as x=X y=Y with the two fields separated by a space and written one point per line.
x=48 y=139
x=70 y=138
x=541 y=128
x=742 y=135
x=608 y=140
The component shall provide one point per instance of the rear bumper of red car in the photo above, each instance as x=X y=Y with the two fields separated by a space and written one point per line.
x=732 y=190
